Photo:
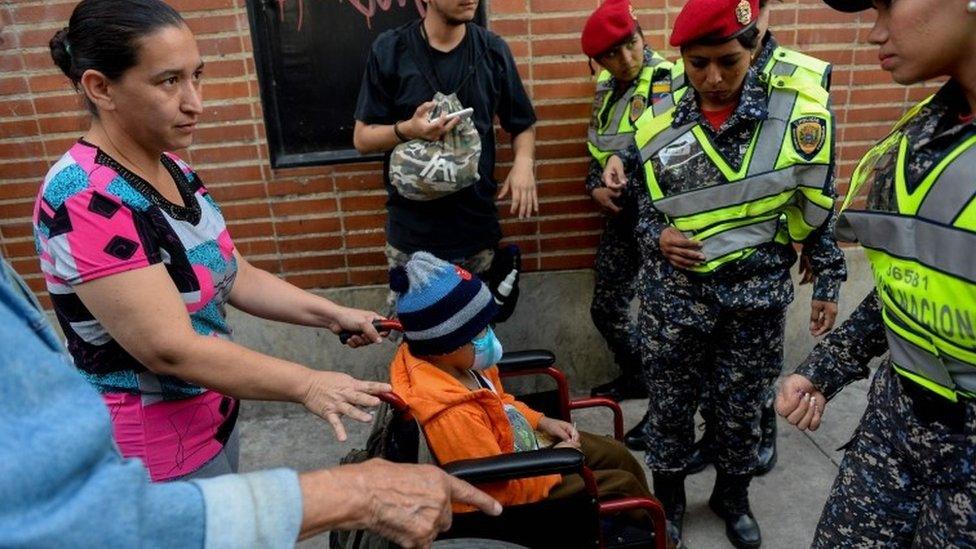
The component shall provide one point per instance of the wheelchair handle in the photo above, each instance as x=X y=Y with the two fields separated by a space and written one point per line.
x=394 y=401
x=381 y=325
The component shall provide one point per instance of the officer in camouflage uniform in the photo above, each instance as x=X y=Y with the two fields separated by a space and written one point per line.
x=713 y=308
x=908 y=478
x=612 y=36
x=769 y=55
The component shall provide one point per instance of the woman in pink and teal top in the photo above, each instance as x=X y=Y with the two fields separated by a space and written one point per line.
x=140 y=265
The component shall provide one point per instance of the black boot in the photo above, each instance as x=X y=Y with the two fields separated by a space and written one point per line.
x=702 y=453
x=669 y=489
x=730 y=500
x=623 y=388
x=634 y=439
x=766 y=458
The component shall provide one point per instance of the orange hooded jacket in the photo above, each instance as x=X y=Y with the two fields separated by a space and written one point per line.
x=463 y=424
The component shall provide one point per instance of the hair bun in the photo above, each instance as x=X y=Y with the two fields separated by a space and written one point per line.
x=59 y=51
x=399 y=281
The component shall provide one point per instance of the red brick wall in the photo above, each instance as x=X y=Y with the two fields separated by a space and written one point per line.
x=323 y=226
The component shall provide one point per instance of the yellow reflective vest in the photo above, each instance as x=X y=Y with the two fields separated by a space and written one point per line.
x=616 y=133
x=924 y=261
x=781 y=191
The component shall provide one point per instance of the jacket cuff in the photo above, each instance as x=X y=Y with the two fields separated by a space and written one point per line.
x=826 y=289
x=825 y=375
x=260 y=509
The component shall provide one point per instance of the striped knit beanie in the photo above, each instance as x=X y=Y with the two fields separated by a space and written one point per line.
x=441 y=306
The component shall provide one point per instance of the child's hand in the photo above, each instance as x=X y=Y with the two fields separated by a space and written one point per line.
x=568 y=444
x=559 y=430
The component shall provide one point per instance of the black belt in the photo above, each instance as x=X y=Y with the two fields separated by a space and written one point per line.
x=930 y=407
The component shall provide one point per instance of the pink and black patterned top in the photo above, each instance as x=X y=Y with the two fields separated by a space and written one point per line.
x=94 y=218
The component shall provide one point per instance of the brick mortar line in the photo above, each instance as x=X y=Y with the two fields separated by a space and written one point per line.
x=230 y=56
x=68 y=92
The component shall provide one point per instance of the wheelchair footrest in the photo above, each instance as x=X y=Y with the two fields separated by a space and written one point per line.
x=619 y=536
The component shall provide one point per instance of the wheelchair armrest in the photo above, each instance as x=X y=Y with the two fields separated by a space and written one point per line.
x=518 y=465
x=516 y=361
x=601 y=402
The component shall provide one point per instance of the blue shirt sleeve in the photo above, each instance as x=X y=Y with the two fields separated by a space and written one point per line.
x=64 y=484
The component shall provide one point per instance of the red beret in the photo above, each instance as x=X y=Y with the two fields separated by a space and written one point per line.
x=716 y=19
x=608 y=26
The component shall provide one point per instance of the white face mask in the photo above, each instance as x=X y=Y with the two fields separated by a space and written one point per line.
x=487 y=350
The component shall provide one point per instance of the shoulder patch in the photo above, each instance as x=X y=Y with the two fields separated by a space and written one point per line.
x=637 y=105
x=809 y=134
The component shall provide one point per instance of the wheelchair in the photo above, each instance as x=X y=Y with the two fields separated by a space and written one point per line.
x=579 y=521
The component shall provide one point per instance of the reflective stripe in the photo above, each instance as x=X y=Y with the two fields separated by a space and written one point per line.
x=814 y=215
x=772 y=131
x=663 y=139
x=678 y=82
x=663 y=105
x=745 y=190
x=954 y=192
x=943 y=370
x=739 y=238
x=610 y=143
x=619 y=109
x=940 y=247
x=782 y=68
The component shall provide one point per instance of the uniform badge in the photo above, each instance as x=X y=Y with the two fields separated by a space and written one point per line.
x=637 y=105
x=809 y=134
x=743 y=12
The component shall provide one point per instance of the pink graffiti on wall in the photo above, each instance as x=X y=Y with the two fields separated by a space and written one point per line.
x=367 y=8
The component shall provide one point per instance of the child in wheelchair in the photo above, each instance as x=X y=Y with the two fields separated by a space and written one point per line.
x=445 y=371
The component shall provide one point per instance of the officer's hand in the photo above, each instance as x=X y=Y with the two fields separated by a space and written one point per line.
x=822 y=317
x=614 y=175
x=806 y=270
x=681 y=251
x=800 y=402
x=419 y=127
x=604 y=198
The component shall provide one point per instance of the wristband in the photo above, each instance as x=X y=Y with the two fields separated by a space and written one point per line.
x=399 y=135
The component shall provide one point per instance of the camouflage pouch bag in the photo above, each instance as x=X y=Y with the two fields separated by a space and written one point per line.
x=426 y=170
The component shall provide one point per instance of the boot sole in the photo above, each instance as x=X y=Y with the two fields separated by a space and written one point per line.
x=729 y=533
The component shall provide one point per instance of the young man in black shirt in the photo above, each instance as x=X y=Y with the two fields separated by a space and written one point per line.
x=445 y=52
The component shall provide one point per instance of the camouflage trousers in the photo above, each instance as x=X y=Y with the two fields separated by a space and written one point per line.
x=904 y=481
x=738 y=353
x=706 y=406
x=477 y=264
x=617 y=265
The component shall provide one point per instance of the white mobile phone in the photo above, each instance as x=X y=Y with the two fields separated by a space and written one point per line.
x=462 y=114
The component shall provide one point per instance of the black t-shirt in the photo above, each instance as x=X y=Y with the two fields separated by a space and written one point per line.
x=401 y=73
